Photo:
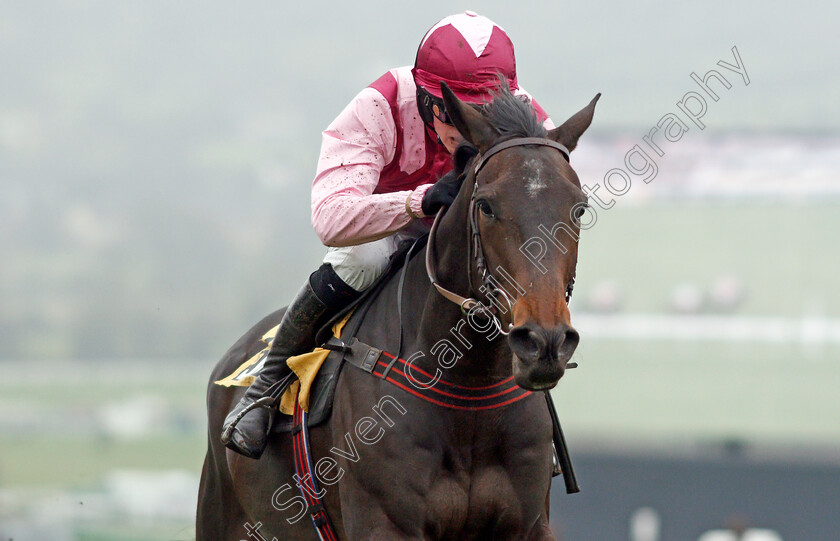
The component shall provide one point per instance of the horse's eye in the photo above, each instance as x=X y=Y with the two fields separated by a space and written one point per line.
x=484 y=207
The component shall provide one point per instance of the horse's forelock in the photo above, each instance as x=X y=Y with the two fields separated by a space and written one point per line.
x=513 y=116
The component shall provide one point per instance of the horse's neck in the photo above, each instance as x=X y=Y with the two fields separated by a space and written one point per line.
x=483 y=360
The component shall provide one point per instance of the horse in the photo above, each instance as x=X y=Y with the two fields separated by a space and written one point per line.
x=399 y=467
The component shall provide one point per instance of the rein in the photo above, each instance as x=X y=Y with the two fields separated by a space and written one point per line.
x=467 y=304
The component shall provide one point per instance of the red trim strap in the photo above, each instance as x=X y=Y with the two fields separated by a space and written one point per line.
x=306 y=477
x=449 y=395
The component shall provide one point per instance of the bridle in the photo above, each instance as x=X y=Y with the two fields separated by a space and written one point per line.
x=474 y=248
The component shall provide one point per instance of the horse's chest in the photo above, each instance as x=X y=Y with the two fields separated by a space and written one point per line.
x=488 y=493
x=487 y=502
x=443 y=474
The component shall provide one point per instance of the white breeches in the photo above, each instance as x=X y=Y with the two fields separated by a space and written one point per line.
x=359 y=266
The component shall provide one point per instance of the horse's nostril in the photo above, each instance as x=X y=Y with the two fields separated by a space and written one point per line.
x=567 y=347
x=572 y=338
x=526 y=343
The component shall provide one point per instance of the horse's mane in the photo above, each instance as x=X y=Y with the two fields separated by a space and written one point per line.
x=512 y=116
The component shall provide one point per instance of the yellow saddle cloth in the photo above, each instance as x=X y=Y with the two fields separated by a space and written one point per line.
x=305 y=366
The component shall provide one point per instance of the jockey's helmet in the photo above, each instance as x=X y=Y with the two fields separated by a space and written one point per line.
x=469 y=53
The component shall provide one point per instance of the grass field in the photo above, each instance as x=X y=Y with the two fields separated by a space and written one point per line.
x=696 y=391
x=82 y=461
x=786 y=255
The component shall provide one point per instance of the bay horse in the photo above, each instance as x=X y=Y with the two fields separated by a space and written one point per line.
x=417 y=470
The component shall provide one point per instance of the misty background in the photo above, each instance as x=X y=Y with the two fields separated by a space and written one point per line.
x=156 y=158
x=155 y=166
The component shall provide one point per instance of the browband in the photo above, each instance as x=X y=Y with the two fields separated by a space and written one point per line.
x=519 y=141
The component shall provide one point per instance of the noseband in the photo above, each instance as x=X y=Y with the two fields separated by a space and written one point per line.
x=488 y=285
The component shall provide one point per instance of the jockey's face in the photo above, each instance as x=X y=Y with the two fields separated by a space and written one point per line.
x=448 y=134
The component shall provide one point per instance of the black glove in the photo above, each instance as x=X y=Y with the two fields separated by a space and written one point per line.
x=442 y=194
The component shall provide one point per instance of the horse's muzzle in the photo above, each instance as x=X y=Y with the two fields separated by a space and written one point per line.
x=541 y=354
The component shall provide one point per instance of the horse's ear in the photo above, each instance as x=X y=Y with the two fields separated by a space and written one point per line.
x=571 y=130
x=472 y=125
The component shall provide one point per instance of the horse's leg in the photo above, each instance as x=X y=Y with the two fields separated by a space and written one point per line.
x=268 y=492
x=370 y=523
x=386 y=532
x=219 y=514
x=541 y=530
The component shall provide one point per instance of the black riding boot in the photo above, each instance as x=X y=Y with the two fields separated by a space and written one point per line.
x=323 y=295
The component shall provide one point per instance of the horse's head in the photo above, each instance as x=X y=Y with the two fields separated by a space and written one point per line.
x=526 y=202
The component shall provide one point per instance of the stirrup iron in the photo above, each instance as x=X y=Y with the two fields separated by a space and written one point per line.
x=269 y=400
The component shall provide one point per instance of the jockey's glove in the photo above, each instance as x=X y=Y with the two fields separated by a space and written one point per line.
x=442 y=194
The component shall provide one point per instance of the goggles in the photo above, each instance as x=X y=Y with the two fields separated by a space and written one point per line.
x=431 y=107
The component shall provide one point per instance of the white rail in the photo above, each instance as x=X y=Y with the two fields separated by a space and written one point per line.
x=709 y=328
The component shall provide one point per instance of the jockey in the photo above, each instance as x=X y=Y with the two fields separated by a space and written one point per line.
x=375 y=181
